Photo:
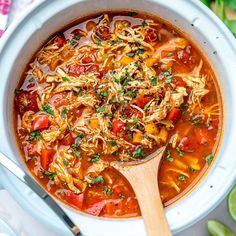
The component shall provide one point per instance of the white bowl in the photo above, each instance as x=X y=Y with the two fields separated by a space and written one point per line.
x=44 y=18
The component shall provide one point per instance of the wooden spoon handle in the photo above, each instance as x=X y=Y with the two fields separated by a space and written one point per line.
x=143 y=179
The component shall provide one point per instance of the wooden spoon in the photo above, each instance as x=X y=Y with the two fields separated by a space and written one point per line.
x=142 y=176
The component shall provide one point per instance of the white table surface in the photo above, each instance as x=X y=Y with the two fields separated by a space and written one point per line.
x=24 y=223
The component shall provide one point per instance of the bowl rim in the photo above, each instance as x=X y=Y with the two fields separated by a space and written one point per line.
x=211 y=16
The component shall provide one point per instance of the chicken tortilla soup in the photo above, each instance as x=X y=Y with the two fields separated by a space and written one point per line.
x=116 y=87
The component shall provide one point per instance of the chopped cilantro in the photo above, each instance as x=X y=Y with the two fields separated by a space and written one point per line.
x=197 y=120
x=98 y=40
x=98 y=179
x=154 y=80
x=100 y=109
x=35 y=135
x=113 y=100
x=130 y=54
x=180 y=152
x=131 y=94
x=116 y=153
x=170 y=54
x=77 y=153
x=112 y=143
x=115 y=79
x=63 y=113
x=79 y=140
x=107 y=190
x=135 y=121
x=96 y=158
x=139 y=51
x=182 y=178
x=65 y=78
x=209 y=158
x=65 y=162
x=169 y=157
x=51 y=175
x=73 y=42
x=31 y=80
x=122 y=102
x=139 y=153
x=77 y=37
x=132 y=13
x=33 y=158
x=144 y=24
x=48 y=109
x=103 y=94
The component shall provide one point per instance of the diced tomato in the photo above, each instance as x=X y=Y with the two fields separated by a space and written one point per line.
x=87 y=60
x=68 y=140
x=76 y=70
x=201 y=135
x=94 y=68
x=151 y=36
x=26 y=101
x=110 y=208
x=103 y=32
x=174 y=115
x=141 y=102
x=96 y=208
x=41 y=122
x=75 y=199
x=60 y=41
x=46 y=158
x=117 y=126
x=188 y=144
x=179 y=82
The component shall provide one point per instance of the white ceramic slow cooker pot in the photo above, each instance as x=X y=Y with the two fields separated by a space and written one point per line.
x=44 y=18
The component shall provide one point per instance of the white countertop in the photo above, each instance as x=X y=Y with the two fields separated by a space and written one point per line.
x=23 y=223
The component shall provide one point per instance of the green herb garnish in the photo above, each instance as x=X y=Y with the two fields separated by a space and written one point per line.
x=47 y=108
x=100 y=109
x=154 y=81
x=209 y=158
x=51 y=175
x=96 y=157
x=107 y=190
x=98 y=179
x=77 y=153
x=63 y=113
x=139 y=153
x=132 y=13
x=35 y=135
x=182 y=178
x=112 y=143
x=79 y=140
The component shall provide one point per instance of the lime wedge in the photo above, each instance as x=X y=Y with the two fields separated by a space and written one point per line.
x=232 y=203
x=215 y=228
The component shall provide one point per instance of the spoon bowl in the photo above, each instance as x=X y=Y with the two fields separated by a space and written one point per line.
x=142 y=175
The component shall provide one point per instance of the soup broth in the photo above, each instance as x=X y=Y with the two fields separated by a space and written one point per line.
x=116 y=87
